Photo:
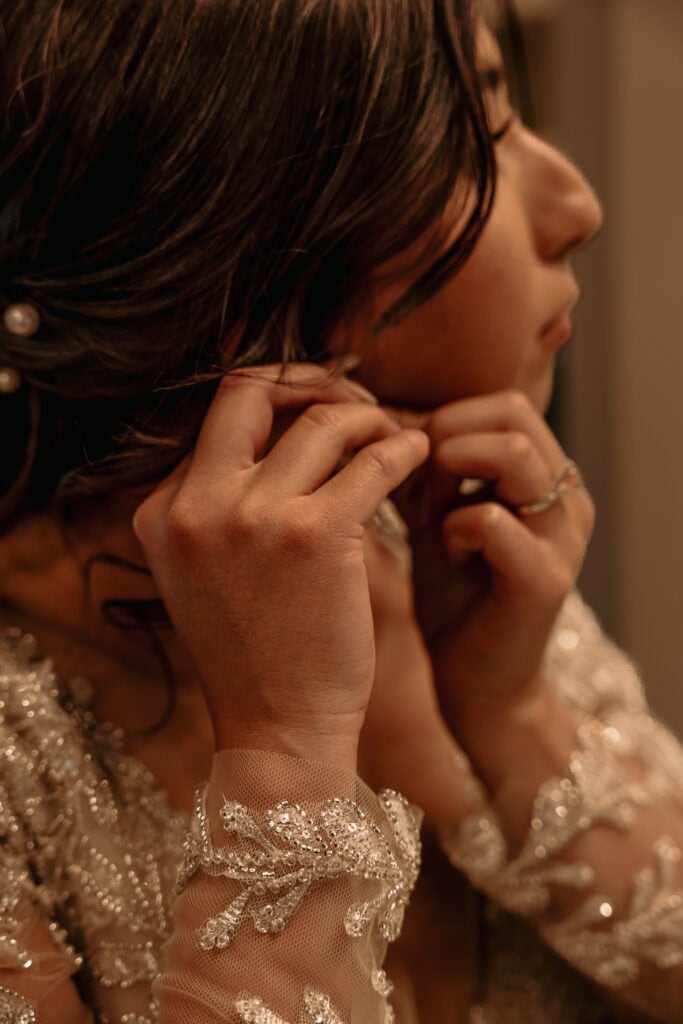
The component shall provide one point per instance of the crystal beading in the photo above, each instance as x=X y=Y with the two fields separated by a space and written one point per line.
x=14 y=1009
x=599 y=790
x=317 y=1009
x=278 y=856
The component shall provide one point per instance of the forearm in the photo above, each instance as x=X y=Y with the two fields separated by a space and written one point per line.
x=582 y=833
x=514 y=749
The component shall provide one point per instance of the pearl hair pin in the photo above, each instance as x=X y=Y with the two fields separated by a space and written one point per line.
x=22 y=319
x=10 y=380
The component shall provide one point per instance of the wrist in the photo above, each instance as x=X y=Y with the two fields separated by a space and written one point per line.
x=313 y=742
x=516 y=745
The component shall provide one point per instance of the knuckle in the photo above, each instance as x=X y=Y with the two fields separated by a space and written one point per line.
x=300 y=534
x=519 y=446
x=491 y=515
x=322 y=416
x=143 y=521
x=378 y=460
x=249 y=518
x=184 y=524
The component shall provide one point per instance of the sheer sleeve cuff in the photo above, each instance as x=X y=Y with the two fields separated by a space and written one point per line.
x=295 y=876
x=612 y=933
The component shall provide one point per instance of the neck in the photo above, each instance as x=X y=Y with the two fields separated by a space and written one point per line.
x=58 y=587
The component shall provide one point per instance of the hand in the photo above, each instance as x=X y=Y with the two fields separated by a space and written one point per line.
x=490 y=582
x=257 y=554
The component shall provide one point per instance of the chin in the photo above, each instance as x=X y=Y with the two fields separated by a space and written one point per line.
x=541 y=395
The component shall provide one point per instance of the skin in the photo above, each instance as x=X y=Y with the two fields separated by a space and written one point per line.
x=485 y=331
x=476 y=363
x=474 y=367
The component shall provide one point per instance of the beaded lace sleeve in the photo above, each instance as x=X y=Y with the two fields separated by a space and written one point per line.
x=600 y=872
x=294 y=879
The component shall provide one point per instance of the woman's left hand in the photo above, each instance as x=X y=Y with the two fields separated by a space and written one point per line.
x=489 y=579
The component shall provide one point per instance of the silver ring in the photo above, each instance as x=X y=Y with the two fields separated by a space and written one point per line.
x=567 y=481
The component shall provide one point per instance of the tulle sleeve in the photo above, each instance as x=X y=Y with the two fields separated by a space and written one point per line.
x=36 y=960
x=295 y=877
x=600 y=871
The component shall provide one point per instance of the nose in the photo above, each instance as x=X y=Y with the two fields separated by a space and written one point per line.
x=566 y=211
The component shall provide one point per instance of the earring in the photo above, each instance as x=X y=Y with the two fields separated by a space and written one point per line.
x=22 y=319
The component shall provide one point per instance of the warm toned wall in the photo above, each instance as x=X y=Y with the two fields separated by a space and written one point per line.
x=613 y=80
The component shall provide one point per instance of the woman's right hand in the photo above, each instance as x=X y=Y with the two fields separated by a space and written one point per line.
x=257 y=552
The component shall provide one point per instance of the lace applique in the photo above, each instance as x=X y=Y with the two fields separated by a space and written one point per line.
x=87 y=837
x=586 y=669
x=652 y=931
x=593 y=793
x=14 y=1009
x=278 y=861
x=317 y=1009
x=380 y=982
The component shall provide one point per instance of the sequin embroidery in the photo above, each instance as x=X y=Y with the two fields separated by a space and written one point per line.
x=14 y=1009
x=599 y=790
x=278 y=859
x=317 y=1009
x=652 y=930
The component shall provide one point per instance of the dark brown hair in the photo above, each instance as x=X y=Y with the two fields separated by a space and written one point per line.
x=177 y=176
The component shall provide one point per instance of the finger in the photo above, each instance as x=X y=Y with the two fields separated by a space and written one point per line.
x=524 y=565
x=509 y=460
x=240 y=418
x=372 y=474
x=310 y=451
x=501 y=412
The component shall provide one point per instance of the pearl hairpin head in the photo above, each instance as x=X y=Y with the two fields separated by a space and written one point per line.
x=10 y=380
x=22 y=319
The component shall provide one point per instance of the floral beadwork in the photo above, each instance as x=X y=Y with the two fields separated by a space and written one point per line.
x=317 y=1009
x=597 y=791
x=88 y=841
x=652 y=930
x=14 y=1009
x=278 y=859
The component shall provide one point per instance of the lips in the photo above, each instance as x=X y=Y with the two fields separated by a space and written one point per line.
x=558 y=331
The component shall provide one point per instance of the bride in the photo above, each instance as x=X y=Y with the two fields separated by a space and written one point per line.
x=266 y=264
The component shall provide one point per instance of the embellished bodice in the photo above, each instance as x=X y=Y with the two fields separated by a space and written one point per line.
x=89 y=840
x=92 y=857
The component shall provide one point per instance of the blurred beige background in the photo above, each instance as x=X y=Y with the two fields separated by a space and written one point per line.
x=607 y=79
